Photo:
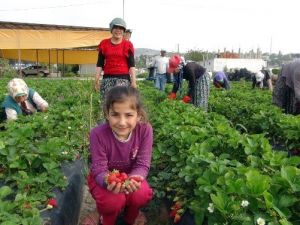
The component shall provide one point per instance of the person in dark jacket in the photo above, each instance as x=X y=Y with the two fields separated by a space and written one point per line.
x=221 y=80
x=199 y=85
x=286 y=93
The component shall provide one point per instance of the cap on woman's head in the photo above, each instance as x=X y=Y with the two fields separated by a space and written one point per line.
x=117 y=22
x=174 y=62
x=17 y=87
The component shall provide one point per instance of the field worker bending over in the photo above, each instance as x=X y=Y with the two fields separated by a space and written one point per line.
x=22 y=100
x=286 y=93
x=221 y=81
x=197 y=77
x=123 y=143
x=262 y=79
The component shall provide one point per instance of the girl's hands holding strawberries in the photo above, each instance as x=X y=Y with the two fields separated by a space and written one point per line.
x=120 y=182
x=134 y=184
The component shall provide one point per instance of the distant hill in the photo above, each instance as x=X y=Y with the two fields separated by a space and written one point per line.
x=145 y=51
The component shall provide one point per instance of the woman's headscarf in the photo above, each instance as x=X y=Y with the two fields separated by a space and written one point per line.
x=259 y=76
x=17 y=87
x=220 y=75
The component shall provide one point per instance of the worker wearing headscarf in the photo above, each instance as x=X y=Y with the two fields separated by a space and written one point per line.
x=221 y=80
x=198 y=78
x=262 y=79
x=21 y=100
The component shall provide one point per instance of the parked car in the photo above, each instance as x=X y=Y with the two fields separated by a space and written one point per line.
x=35 y=70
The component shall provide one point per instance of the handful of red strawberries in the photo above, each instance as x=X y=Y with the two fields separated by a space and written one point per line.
x=120 y=177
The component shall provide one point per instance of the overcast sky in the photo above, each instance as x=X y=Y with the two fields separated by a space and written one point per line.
x=190 y=24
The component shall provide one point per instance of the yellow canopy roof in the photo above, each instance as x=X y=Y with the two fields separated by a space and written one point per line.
x=69 y=56
x=39 y=42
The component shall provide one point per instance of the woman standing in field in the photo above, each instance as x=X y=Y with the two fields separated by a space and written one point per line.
x=115 y=60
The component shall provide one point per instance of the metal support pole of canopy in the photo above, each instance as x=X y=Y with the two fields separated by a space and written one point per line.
x=37 y=57
x=57 y=62
x=19 y=53
x=49 y=60
x=19 y=61
x=63 y=61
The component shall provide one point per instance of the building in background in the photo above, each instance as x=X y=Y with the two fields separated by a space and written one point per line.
x=228 y=64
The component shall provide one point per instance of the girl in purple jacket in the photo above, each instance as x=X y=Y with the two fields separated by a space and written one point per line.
x=123 y=143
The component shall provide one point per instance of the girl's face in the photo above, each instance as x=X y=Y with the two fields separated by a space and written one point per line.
x=20 y=99
x=117 y=32
x=122 y=119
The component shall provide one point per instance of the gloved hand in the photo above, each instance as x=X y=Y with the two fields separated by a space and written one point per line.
x=217 y=85
x=186 y=99
x=172 y=96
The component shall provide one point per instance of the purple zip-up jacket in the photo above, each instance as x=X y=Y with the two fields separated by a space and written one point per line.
x=132 y=157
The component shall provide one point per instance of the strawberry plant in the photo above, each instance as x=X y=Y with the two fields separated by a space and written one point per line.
x=219 y=168
x=34 y=148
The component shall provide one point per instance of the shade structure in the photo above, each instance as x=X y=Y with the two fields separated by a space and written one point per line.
x=57 y=56
x=50 y=43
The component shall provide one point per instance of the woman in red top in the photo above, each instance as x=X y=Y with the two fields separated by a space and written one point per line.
x=115 y=59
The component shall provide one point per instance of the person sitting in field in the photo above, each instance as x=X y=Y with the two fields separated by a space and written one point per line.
x=221 y=81
x=21 y=100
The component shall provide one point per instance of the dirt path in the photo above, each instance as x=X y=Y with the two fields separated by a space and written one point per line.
x=88 y=205
x=155 y=215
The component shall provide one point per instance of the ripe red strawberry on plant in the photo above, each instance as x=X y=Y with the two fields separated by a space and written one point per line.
x=176 y=211
x=52 y=202
x=177 y=205
x=177 y=218
x=173 y=213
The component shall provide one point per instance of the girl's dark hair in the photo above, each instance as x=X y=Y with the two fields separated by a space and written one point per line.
x=121 y=94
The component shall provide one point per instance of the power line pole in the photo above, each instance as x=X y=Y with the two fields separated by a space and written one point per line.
x=123 y=10
x=271 y=46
